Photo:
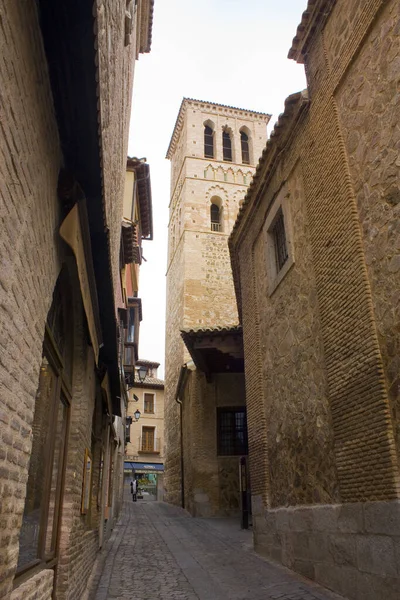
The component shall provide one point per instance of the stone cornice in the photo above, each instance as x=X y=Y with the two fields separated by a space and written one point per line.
x=313 y=19
x=229 y=110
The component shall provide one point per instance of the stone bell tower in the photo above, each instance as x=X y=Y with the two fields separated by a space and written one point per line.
x=214 y=150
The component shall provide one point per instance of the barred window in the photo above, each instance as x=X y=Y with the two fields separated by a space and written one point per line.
x=208 y=142
x=279 y=235
x=232 y=431
x=215 y=215
x=244 y=141
x=226 y=146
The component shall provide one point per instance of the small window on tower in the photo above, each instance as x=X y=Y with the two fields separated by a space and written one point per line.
x=215 y=218
x=226 y=146
x=244 y=141
x=208 y=142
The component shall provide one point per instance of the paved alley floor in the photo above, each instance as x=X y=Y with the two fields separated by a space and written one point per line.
x=158 y=552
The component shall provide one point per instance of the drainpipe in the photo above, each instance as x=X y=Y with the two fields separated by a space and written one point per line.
x=189 y=366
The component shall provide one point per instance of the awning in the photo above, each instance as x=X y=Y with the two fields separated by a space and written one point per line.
x=144 y=467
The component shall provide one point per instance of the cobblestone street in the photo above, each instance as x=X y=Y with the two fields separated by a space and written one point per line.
x=158 y=552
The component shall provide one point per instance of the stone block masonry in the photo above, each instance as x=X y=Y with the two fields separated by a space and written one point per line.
x=351 y=548
x=200 y=291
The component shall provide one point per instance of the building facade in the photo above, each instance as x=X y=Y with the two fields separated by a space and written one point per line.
x=315 y=256
x=145 y=451
x=66 y=82
x=213 y=152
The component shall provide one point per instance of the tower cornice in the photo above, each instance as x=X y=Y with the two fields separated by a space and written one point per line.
x=231 y=111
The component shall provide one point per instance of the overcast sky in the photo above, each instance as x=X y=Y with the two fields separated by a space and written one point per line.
x=225 y=51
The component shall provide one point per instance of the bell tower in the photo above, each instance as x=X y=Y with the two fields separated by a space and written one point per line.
x=214 y=151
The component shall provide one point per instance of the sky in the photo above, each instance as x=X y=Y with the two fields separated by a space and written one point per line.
x=225 y=51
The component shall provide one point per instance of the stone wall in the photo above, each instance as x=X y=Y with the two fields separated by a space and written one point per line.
x=351 y=548
x=320 y=343
x=302 y=465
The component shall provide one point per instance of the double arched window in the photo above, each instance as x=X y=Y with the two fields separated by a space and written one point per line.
x=208 y=141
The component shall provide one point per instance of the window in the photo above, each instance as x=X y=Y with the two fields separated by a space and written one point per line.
x=244 y=142
x=279 y=235
x=39 y=532
x=226 y=146
x=232 y=431
x=208 y=142
x=215 y=215
x=279 y=239
x=149 y=403
x=147 y=444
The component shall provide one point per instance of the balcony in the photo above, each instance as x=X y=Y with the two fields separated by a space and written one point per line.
x=149 y=446
x=216 y=227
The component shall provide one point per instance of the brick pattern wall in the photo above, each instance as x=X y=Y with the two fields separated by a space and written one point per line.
x=372 y=146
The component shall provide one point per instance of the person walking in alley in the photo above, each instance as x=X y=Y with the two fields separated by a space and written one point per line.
x=134 y=490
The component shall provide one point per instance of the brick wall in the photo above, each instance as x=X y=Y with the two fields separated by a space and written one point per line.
x=29 y=166
x=211 y=482
x=31 y=255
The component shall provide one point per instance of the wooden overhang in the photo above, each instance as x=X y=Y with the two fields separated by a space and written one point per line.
x=69 y=31
x=143 y=182
x=216 y=350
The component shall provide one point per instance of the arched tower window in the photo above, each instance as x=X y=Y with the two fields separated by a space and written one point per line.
x=208 y=142
x=226 y=146
x=215 y=214
x=244 y=142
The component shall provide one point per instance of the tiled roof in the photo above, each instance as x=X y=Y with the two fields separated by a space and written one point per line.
x=212 y=330
x=182 y=110
x=147 y=363
x=312 y=20
x=150 y=382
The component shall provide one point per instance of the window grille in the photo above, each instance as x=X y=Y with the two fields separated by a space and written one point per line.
x=279 y=235
x=226 y=146
x=215 y=218
x=244 y=141
x=232 y=431
x=208 y=142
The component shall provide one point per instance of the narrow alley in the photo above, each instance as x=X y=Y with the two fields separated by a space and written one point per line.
x=159 y=552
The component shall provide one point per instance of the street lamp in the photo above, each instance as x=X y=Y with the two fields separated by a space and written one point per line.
x=142 y=372
x=137 y=414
